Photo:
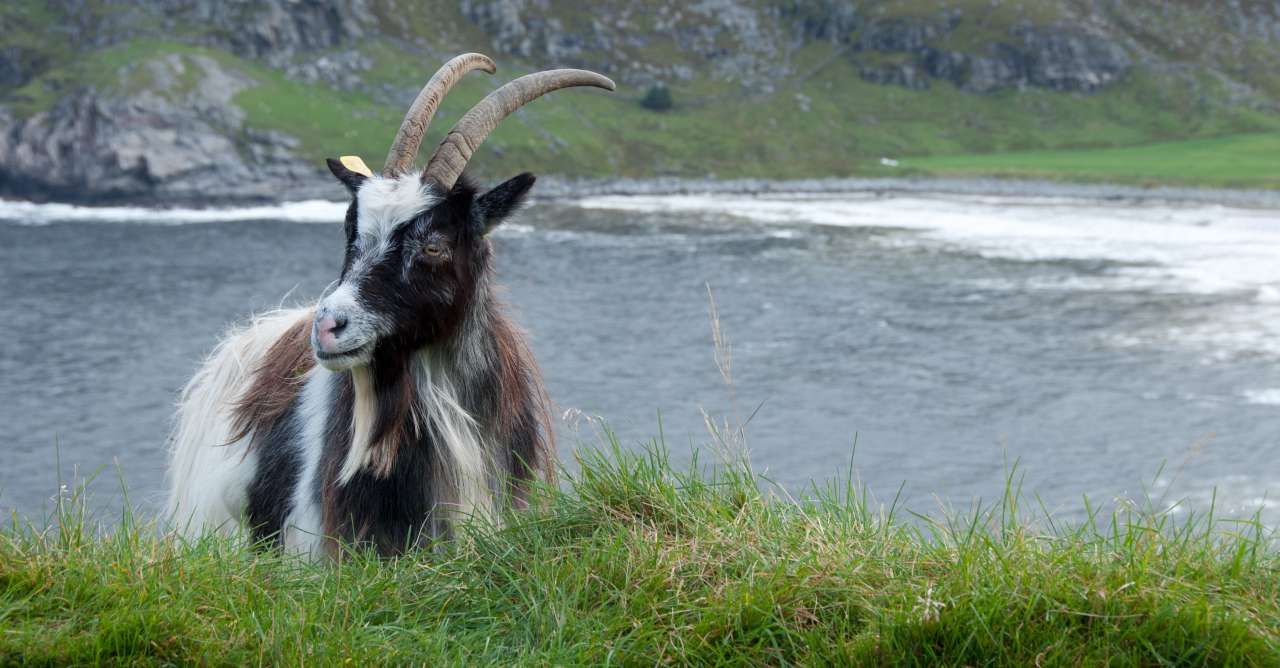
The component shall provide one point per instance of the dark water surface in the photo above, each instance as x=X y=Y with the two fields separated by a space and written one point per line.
x=945 y=359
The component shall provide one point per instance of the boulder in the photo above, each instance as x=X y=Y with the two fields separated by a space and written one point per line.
x=93 y=146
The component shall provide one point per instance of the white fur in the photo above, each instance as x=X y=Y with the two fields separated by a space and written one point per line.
x=304 y=528
x=362 y=417
x=384 y=204
x=341 y=299
x=466 y=464
x=209 y=478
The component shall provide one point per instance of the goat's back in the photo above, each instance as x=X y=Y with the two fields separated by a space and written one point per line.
x=210 y=467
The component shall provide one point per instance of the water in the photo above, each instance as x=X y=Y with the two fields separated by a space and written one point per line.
x=949 y=336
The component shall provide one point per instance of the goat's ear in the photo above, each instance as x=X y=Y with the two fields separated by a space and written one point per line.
x=494 y=206
x=349 y=178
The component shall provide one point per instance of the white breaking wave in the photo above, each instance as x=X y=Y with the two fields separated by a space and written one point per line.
x=308 y=211
x=1267 y=397
x=1193 y=248
x=1198 y=249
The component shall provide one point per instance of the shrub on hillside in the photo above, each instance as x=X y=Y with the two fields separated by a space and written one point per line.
x=657 y=99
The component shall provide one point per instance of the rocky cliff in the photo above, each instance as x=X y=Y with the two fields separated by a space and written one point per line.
x=103 y=147
x=177 y=100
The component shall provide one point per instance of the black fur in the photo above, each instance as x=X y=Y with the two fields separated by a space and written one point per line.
x=496 y=205
x=279 y=465
x=389 y=514
x=349 y=229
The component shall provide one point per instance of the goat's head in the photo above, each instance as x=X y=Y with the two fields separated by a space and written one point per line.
x=416 y=241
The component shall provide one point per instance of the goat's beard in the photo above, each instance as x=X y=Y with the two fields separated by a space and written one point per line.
x=357 y=358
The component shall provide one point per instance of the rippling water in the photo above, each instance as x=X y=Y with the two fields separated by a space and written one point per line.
x=1093 y=343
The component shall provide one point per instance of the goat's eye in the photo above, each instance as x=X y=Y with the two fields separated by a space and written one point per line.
x=432 y=250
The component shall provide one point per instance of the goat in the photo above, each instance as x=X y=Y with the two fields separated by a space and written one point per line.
x=405 y=400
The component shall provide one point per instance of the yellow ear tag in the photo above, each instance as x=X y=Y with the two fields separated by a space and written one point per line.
x=355 y=164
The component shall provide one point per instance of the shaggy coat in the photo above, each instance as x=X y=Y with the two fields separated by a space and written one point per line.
x=426 y=405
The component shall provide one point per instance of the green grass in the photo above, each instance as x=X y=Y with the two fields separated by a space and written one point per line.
x=723 y=131
x=635 y=563
x=1245 y=160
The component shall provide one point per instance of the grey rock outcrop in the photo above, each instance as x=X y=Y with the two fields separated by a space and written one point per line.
x=91 y=147
x=737 y=40
x=1061 y=60
x=821 y=20
x=1069 y=60
x=527 y=28
x=343 y=70
x=907 y=75
x=273 y=30
x=904 y=35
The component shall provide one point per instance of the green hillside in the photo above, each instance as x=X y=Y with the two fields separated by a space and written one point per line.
x=819 y=101
x=1245 y=160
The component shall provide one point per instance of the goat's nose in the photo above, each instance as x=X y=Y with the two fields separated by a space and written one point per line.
x=328 y=330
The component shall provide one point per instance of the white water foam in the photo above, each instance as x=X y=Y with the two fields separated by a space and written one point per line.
x=1201 y=248
x=308 y=211
x=1263 y=397
x=1194 y=249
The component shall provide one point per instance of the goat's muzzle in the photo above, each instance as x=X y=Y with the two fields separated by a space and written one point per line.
x=339 y=337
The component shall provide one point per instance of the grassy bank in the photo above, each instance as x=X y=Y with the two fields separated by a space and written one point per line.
x=636 y=563
x=1235 y=161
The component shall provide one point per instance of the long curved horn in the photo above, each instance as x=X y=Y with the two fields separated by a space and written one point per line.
x=471 y=130
x=405 y=147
